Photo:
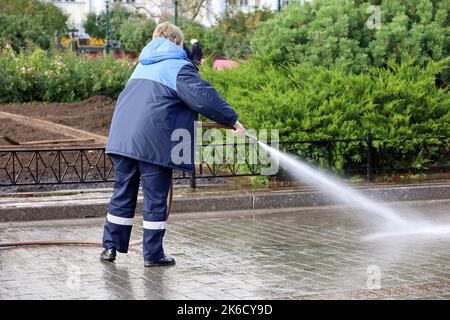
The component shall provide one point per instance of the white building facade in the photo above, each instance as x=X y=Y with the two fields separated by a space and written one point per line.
x=77 y=10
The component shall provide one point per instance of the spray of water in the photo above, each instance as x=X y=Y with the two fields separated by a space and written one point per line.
x=393 y=222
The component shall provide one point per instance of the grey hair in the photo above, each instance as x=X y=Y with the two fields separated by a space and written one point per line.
x=168 y=31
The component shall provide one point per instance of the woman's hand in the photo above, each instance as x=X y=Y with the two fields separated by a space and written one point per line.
x=239 y=128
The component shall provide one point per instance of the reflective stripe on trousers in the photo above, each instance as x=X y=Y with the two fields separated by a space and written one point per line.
x=119 y=220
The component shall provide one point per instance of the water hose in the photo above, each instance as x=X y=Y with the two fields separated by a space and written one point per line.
x=27 y=244
x=48 y=244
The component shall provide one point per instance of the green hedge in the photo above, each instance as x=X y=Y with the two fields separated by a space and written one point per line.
x=308 y=102
x=316 y=102
x=40 y=76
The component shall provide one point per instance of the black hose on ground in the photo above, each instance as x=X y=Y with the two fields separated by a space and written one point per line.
x=48 y=244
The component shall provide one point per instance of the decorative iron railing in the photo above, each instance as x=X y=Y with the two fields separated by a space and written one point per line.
x=50 y=166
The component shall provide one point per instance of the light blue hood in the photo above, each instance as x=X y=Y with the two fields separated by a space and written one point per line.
x=164 y=94
x=160 y=49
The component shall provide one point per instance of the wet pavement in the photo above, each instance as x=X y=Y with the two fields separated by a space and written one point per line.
x=302 y=255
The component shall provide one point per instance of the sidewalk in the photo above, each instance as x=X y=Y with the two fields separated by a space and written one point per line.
x=312 y=255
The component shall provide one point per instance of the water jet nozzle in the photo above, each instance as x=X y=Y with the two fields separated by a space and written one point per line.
x=251 y=137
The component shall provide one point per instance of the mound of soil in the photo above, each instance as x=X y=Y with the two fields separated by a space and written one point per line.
x=92 y=115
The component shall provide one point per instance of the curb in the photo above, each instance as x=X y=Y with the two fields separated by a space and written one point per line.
x=95 y=204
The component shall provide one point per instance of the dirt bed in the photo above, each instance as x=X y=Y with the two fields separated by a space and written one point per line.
x=92 y=115
x=23 y=133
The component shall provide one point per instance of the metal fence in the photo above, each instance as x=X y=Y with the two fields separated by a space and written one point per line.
x=50 y=166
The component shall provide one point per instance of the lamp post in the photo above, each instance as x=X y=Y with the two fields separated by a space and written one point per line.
x=175 y=11
x=107 y=44
x=279 y=5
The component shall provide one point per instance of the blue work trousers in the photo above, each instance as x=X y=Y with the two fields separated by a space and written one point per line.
x=156 y=181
